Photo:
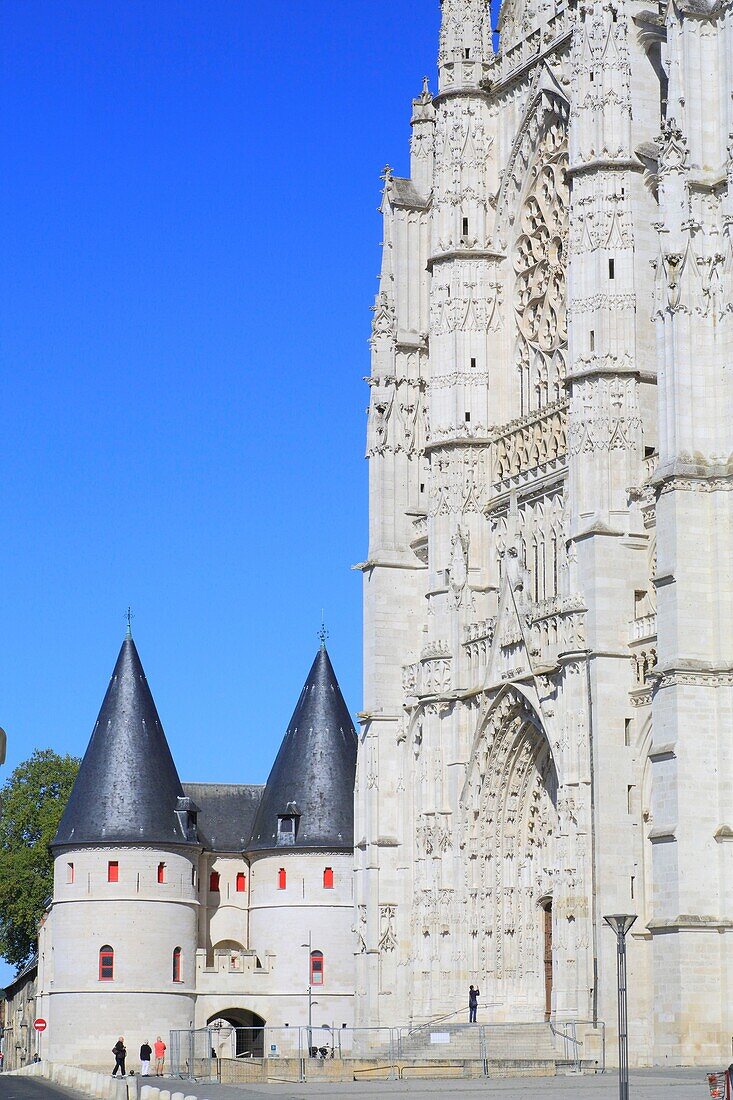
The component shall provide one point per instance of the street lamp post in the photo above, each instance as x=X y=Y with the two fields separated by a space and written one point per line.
x=621 y=924
x=311 y=1002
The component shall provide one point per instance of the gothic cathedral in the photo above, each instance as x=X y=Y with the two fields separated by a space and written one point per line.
x=548 y=593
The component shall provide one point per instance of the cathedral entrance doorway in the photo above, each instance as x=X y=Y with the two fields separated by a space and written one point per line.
x=511 y=803
x=547 y=939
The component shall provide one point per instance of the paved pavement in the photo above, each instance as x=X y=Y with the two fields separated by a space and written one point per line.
x=659 y=1084
x=32 y=1088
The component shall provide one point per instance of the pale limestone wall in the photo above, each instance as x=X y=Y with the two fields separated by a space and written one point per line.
x=143 y=921
x=560 y=604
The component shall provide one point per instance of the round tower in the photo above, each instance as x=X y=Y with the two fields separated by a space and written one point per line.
x=302 y=863
x=119 y=944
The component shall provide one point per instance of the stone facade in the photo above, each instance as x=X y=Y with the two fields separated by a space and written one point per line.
x=548 y=593
x=175 y=908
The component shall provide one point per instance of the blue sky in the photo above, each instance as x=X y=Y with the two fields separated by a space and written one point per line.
x=190 y=244
x=190 y=241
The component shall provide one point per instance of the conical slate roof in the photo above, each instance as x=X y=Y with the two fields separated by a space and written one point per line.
x=313 y=775
x=127 y=789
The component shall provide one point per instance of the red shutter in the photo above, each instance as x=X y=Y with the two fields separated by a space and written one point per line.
x=161 y=872
x=328 y=878
x=214 y=882
x=241 y=882
x=113 y=871
x=106 y=964
x=281 y=879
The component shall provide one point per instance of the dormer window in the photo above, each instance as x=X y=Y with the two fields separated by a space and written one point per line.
x=287 y=824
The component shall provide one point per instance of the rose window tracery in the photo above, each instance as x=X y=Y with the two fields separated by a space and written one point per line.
x=540 y=270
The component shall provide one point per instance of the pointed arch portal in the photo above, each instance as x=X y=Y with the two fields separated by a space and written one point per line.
x=510 y=802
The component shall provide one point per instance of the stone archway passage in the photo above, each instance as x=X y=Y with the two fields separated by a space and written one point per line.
x=242 y=1033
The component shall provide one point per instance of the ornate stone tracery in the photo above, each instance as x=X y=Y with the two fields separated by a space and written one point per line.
x=540 y=274
x=510 y=803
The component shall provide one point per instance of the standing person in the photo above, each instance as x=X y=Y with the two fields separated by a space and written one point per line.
x=159 y=1056
x=145 y=1056
x=120 y=1052
x=473 y=996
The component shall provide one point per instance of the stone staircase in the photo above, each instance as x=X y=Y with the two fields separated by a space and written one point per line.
x=509 y=1043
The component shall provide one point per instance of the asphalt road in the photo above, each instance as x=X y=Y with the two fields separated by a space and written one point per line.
x=32 y=1088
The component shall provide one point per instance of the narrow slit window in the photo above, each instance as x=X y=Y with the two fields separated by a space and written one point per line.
x=106 y=964
x=241 y=882
x=465 y=227
x=161 y=872
x=113 y=871
x=473 y=364
x=70 y=872
x=177 y=964
x=592 y=340
x=629 y=799
x=611 y=268
x=627 y=731
x=467 y=54
x=467 y=417
x=214 y=882
x=282 y=879
x=328 y=878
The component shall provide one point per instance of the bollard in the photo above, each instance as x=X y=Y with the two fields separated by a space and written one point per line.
x=177 y=1096
x=165 y=1094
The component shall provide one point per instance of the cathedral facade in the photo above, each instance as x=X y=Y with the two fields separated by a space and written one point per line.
x=548 y=594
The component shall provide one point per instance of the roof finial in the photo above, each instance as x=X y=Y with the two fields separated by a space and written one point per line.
x=129 y=616
x=323 y=633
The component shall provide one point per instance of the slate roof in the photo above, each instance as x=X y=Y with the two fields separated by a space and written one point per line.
x=127 y=789
x=315 y=769
x=226 y=813
x=404 y=193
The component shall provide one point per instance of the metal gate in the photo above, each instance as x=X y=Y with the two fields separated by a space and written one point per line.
x=192 y=1054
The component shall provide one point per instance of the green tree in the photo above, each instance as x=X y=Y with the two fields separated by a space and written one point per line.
x=32 y=802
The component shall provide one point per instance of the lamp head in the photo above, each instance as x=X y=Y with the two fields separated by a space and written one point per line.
x=620 y=922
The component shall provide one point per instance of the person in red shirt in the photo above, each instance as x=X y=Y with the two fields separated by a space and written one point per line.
x=160 y=1048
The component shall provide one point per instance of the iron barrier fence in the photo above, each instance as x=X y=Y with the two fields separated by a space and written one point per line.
x=237 y=1055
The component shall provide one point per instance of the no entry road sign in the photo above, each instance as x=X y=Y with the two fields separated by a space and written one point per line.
x=40 y=1024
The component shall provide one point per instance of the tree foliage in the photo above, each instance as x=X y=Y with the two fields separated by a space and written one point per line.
x=33 y=800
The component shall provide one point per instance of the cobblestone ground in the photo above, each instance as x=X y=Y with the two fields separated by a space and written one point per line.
x=653 y=1084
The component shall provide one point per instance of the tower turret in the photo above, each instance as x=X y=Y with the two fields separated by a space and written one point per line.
x=465 y=47
x=301 y=855
x=124 y=911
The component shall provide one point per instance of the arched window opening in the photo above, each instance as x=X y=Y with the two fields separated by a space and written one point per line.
x=214 y=882
x=161 y=872
x=177 y=964
x=282 y=879
x=241 y=882
x=328 y=878
x=316 y=968
x=106 y=963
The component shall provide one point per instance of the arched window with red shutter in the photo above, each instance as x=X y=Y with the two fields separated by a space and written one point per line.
x=177 y=964
x=214 y=882
x=316 y=968
x=106 y=963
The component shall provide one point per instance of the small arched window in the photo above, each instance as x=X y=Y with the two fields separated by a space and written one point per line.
x=177 y=964
x=214 y=882
x=328 y=878
x=241 y=882
x=106 y=963
x=161 y=872
x=282 y=879
x=316 y=968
